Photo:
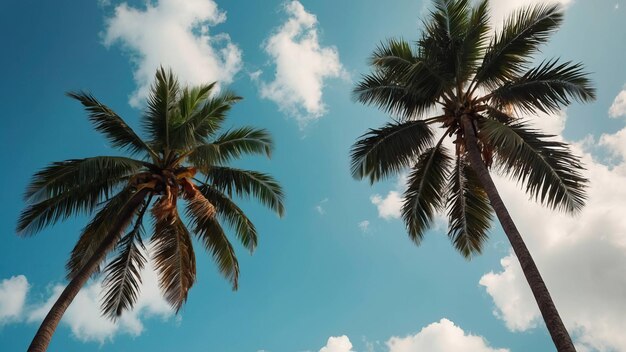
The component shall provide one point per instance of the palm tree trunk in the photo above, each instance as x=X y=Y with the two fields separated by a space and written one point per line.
x=48 y=326
x=548 y=310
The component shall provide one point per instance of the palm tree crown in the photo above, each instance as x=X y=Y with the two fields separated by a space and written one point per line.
x=184 y=156
x=478 y=80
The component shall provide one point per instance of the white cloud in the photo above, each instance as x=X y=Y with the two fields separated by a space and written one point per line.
x=337 y=344
x=442 y=336
x=320 y=206
x=618 y=108
x=175 y=34
x=12 y=297
x=302 y=66
x=84 y=317
x=580 y=257
x=390 y=206
x=364 y=226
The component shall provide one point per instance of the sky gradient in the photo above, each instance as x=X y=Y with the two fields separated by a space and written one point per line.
x=338 y=273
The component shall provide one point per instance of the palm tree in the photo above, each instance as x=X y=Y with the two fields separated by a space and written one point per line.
x=483 y=85
x=184 y=156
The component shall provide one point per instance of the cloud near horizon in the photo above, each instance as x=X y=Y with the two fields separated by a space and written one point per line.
x=441 y=336
x=83 y=317
x=159 y=34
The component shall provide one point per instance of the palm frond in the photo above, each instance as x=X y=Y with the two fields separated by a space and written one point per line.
x=547 y=88
x=231 y=145
x=245 y=183
x=230 y=213
x=111 y=125
x=385 y=151
x=203 y=122
x=96 y=231
x=66 y=175
x=161 y=103
x=426 y=189
x=511 y=49
x=173 y=257
x=208 y=229
x=475 y=42
x=469 y=211
x=548 y=168
x=123 y=274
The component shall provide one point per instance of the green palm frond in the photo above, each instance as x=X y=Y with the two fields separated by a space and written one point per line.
x=547 y=88
x=475 y=42
x=65 y=175
x=161 y=106
x=395 y=56
x=111 y=125
x=191 y=98
x=385 y=151
x=208 y=229
x=426 y=191
x=230 y=213
x=444 y=35
x=173 y=258
x=522 y=34
x=469 y=211
x=231 y=145
x=96 y=231
x=203 y=121
x=245 y=183
x=548 y=168
x=123 y=274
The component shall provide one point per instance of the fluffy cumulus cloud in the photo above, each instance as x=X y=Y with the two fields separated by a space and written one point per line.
x=84 y=317
x=390 y=206
x=442 y=336
x=174 y=34
x=618 y=108
x=581 y=257
x=12 y=297
x=302 y=66
x=338 y=344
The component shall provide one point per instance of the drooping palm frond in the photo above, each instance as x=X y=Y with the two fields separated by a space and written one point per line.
x=230 y=213
x=547 y=88
x=469 y=211
x=210 y=232
x=522 y=34
x=173 y=258
x=161 y=104
x=425 y=194
x=381 y=152
x=80 y=199
x=245 y=183
x=548 y=168
x=96 y=231
x=111 y=125
x=123 y=274
x=61 y=176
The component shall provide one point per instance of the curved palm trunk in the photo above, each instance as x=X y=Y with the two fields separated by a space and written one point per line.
x=551 y=316
x=44 y=334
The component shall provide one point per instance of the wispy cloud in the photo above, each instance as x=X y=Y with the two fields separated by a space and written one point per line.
x=175 y=34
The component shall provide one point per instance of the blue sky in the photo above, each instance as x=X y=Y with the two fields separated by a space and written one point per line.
x=338 y=272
